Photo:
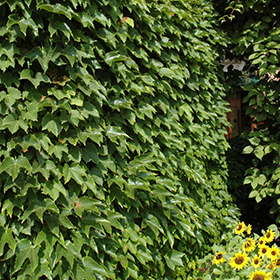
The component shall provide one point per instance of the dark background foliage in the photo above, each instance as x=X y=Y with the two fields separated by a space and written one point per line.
x=252 y=27
x=256 y=214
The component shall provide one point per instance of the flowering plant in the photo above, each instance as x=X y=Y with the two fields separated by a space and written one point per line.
x=244 y=255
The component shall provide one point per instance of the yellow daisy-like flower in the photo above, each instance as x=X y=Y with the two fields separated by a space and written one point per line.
x=264 y=251
x=249 y=245
x=277 y=262
x=271 y=266
x=219 y=258
x=269 y=236
x=239 y=261
x=273 y=253
x=260 y=275
x=249 y=229
x=240 y=228
x=256 y=262
x=261 y=242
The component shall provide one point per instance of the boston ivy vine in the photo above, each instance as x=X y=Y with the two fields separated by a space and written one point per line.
x=112 y=139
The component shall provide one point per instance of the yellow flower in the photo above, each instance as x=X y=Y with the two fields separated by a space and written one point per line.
x=264 y=250
x=274 y=265
x=256 y=262
x=239 y=260
x=240 y=228
x=219 y=258
x=273 y=253
x=277 y=262
x=269 y=236
x=260 y=275
x=249 y=229
x=261 y=242
x=249 y=245
x=271 y=266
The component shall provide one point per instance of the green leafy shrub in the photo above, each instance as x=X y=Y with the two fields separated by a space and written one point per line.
x=258 y=214
x=243 y=255
x=253 y=29
x=112 y=139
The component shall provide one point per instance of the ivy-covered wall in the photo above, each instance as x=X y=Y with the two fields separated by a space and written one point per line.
x=112 y=139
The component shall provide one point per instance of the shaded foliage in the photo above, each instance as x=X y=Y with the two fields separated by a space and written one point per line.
x=256 y=214
x=253 y=29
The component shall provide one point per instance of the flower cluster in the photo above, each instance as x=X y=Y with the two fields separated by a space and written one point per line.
x=245 y=256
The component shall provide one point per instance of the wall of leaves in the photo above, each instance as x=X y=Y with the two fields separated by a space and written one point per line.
x=112 y=140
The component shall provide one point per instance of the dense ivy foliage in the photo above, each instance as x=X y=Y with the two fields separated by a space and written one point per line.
x=254 y=30
x=112 y=138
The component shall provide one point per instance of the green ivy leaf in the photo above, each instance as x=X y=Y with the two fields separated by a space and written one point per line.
x=115 y=133
x=39 y=208
x=114 y=57
x=154 y=224
x=75 y=172
x=11 y=122
x=166 y=72
x=70 y=52
x=57 y=8
x=7 y=238
x=90 y=153
x=13 y=95
x=12 y=166
x=28 y=74
x=86 y=204
x=47 y=54
x=31 y=112
x=97 y=267
x=58 y=149
x=129 y=21
x=143 y=255
x=54 y=188
x=25 y=23
x=52 y=124
x=174 y=258
x=30 y=140
x=26 y=251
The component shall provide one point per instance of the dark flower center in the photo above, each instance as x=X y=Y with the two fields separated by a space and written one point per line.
x=268 y=235
x=270 y=266
x=258 y=277
x=239 y=260
x=273 y=253
x=219 y=256
x=256 y=261
x=239 y=227
x=278 y=262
